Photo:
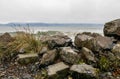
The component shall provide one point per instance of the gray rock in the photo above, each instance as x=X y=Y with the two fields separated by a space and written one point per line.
x=27 y=76
x=88 y=54
x=112 y=28
x=96 y=43
x=111 y=56
x=43 y=50
x=91 y=34
x=106 y=75
x=55 y=68
x=27 y=58
x=116 y=51
x=101 y=42
x=49 y=57
x=68 y=55
x=59 y=41
x=83 y=40
x=88 y=70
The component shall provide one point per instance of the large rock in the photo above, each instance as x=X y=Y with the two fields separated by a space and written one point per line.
x=53 y=69
x=49 y=57
x=58 y=41
x=91 y=34
x=101 y=42
x=116 y=50
x=25 y=59
x=112 y=28
x=83 y=40
x=85 y=69
x=68 y=55
x=88 y=54
x=96 y=43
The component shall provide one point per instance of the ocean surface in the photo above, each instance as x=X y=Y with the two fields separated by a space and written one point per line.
x=80 y=28
x=68 y=30
x=71 y=30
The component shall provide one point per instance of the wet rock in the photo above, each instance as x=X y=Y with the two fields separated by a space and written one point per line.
x=68 y=55
x=83 y=40
x=85 y=69
x=49 y=57
x=88 y=54
x=56 y=69
x=27 y=58
x=116 y=51
x=59 y=41
x=112 y=28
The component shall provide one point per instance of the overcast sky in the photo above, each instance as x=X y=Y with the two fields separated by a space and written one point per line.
x=59 y=11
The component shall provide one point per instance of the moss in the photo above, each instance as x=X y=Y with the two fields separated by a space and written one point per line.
x=42 y=74
x=104 y=64
x=80 y=62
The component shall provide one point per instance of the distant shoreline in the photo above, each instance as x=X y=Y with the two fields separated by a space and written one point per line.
x=51 y=24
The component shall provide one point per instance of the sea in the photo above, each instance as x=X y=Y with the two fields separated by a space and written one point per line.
x=70 y=30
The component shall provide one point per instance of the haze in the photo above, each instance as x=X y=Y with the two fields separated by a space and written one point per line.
x=59 y=11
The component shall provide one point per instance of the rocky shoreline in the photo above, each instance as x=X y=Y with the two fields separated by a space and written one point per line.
x=89 y=56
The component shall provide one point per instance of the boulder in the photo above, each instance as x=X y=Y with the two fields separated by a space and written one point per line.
x=116 y=50
x=24 y=59
x=100 y=43
x=85 y=69
x=53 y=69
x=68 y=55
x=83 y=40
x=88 y=54
x=112 y=28
x=91 y=34
x=48 y=57
x=96 y=43
x=58 y=41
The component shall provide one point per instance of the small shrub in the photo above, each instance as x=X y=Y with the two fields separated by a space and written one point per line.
x=104 y=63
x=23 y=40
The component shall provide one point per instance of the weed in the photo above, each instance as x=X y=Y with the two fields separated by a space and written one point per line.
x=104 y=63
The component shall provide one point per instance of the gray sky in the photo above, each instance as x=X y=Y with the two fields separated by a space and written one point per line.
x=60 y=11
